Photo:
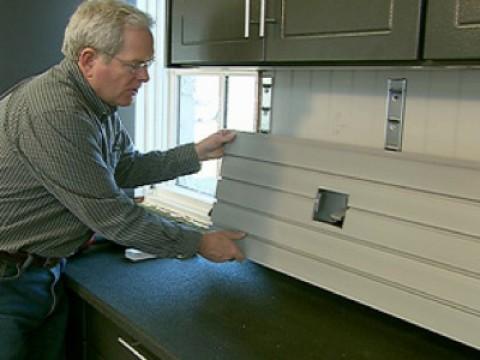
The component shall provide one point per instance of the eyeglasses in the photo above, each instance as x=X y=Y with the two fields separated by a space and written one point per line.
x=135 y=67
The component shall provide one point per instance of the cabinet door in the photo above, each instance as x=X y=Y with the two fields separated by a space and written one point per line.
x=214 y=31
x=343 y=30
x=76 y=329
x=109 y=342
x=452 y=30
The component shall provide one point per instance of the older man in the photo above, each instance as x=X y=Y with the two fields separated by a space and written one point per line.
x=64 y=156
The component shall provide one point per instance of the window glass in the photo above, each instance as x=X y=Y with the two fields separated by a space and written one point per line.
x=207 y=103
x=199 y=116
x=241 y=104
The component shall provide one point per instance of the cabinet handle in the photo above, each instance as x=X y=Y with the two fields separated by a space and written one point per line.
x=247 y=18
x=263 y=8
x=130 y=348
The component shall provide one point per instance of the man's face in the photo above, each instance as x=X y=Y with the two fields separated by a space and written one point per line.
x=117 y=81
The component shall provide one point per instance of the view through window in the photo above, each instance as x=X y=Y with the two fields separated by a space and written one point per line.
x=206 y=104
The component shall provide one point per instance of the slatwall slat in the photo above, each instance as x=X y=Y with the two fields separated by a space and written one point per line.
x=373 y=230
x=394 y=201
x=430 y=174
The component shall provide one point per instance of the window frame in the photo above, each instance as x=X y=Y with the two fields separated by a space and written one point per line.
x=169 y=195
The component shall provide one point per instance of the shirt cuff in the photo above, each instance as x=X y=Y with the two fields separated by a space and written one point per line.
x=189 y=243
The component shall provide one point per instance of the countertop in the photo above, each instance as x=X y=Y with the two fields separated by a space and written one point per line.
x=195 y=309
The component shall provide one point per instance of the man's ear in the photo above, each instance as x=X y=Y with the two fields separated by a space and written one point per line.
x=86 y=61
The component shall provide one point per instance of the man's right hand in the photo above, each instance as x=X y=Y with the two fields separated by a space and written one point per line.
x=219 y=246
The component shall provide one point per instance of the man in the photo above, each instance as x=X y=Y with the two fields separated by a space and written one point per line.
x=64 y=154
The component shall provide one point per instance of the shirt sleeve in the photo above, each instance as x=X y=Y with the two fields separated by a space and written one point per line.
x=64 y=152
x=137 y=169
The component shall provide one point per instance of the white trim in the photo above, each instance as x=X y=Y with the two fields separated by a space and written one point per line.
x=161 y=79
x=171 y=121
x=181 y=201
x=148 y=103
x=153 y=96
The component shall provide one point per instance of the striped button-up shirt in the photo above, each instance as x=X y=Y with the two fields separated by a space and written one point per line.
x=64 y=157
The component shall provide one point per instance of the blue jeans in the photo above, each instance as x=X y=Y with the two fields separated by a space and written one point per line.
x=33 y=312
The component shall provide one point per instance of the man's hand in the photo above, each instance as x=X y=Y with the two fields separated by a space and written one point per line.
x=219 y=246
x=212 y=146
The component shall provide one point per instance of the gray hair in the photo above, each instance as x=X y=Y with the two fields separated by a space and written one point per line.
x=99 y=24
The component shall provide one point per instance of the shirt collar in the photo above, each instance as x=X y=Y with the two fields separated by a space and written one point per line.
x=99 y=107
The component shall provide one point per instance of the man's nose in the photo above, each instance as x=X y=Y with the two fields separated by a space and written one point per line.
x=143 y=75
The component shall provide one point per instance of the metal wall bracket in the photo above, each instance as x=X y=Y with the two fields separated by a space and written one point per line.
x=330 y=207
x=265 y=108
x=396 y=97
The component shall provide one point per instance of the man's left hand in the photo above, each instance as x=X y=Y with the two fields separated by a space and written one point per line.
x=212 y=147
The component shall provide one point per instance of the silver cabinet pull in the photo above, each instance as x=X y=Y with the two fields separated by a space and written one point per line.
x=263 y=8
x=247 y=19
x=130 y=348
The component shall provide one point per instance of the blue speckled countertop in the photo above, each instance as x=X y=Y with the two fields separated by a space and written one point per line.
x=194 y=309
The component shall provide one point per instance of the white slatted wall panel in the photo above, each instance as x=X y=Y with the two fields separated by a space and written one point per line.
x=410 y=242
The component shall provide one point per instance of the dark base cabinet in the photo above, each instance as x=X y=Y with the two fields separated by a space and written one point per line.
x=76 y=332
x=93 y=336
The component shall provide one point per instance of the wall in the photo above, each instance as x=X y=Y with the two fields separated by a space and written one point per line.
x=348 y=106
x=31 y=35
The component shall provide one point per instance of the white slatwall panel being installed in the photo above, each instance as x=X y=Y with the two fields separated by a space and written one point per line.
x=410 y=241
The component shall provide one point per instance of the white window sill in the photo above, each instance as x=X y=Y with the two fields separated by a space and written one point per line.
x=181 y=202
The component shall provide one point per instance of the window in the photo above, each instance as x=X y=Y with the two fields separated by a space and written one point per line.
x=200 y=102
x=207 y=103
x=179 y=106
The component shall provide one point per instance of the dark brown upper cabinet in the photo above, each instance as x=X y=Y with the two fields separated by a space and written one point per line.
x=342 y=30
x=237 y=32
x=272 y=31
x=215 y=31
x=452 y=30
